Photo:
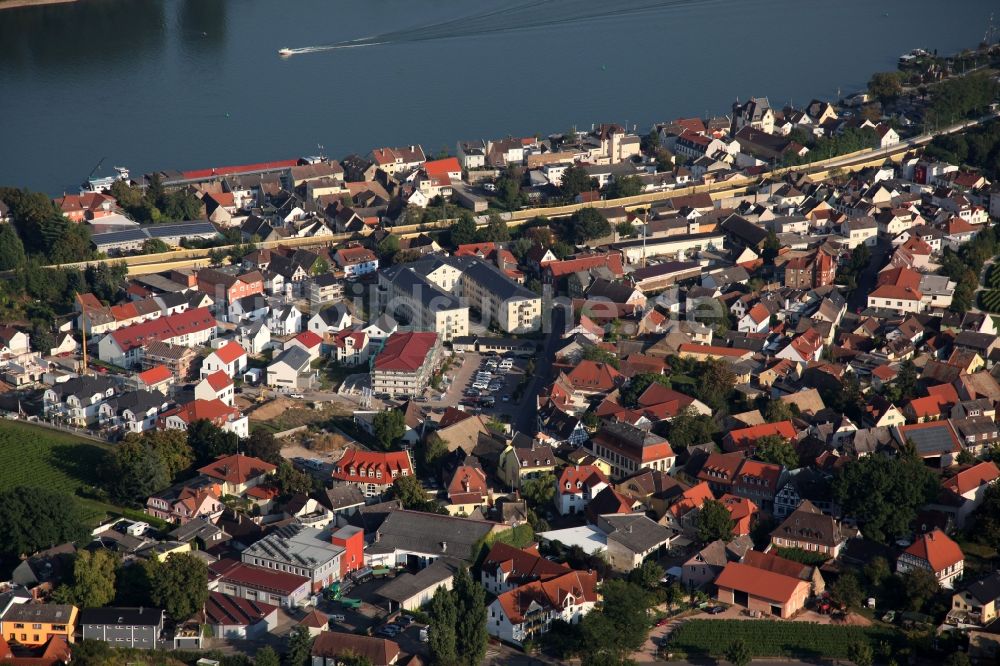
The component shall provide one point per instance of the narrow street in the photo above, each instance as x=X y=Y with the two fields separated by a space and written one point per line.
x=526 y=420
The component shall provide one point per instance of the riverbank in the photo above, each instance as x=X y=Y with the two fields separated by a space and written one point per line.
x=14 y=4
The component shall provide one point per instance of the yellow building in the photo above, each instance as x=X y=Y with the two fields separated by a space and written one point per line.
x=36 y=624
x=525 y=460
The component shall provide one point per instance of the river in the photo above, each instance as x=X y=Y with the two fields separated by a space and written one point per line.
x=182 y=84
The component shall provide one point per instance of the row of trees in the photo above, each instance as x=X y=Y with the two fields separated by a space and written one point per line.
x=978 y=147
x=458 y=634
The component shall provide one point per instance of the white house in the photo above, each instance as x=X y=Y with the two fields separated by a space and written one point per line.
x=254 y=338
x=231 y=359
x=225 y=417
x=330 y=320
x=527 y=612
x=291 y=370
x=350 y=347
x=79 y=399
x=216 y=386
x=286 y=320
x=136 y=411
x=380 y=329
x=308 y=342
x=576 y=486
x=756 y=320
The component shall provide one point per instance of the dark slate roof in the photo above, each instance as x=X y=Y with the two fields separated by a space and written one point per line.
x=122 y=616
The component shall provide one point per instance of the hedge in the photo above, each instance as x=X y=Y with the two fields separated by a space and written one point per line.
x=775 y=638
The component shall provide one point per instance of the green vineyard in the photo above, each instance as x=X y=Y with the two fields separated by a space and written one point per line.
x=775 y=638
x=990 y=300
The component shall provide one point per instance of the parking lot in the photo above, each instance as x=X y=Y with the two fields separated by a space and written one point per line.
x=460 y=377
x=371 y=616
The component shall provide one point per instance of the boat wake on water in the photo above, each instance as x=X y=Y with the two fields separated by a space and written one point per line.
x=535 y=14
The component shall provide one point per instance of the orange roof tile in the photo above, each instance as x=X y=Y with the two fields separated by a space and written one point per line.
x=236 y=468
x=229 y=352
x=935 y=548
x=969 y=479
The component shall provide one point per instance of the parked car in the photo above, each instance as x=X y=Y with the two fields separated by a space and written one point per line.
x=715 y=610
x=404 y=620
x=337 y=618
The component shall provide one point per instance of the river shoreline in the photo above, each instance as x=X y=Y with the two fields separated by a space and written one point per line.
x=15 y=4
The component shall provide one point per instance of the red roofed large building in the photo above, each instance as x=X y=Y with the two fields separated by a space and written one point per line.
x=442 y=172
x=225 y=288
x=745 y=439
x=372 y=471
x=964 y=492
x=658 y=402
x=898 y=289
x=228 y=418
x=937 y=553
x=249 y=582
x=526 y=612
x=405 y=364
x=630 y=449
x=124 y=347
x=593 y=377
x=768 y=592
x=237 y=473
x=216 y=386
x=559 y=270
x=86 y=206
x=394 y=160
x=158 y=378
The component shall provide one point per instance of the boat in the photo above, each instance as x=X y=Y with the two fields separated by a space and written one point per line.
x=285 y=52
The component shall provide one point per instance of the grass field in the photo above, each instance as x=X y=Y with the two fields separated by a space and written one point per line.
x=35 y=456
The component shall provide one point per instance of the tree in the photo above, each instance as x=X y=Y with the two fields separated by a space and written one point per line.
x=650 y=143
x=647 y=576
x=576 y=180
x=624 y=186
x=262 y=444
x=716 y=381
x=860 y=654
x=171 y=446
x=777 y=410
x=495 y=231
x=886 y=86
x=36 y=518
x=738 y=653
x=388 y=248
x=11 y=248
x=180 y=585
x=389 y=427
x=411 y=494
x=920 y=586
x=154 y=246
x=539 y=491
x=442 y=639
x=217 y=256
x=464 y=231
x=714 y=522
x=619 y=629
x=689 y=427
x=588 y=224
x=600 y=355
x=954 y=659
x=292 y=481
x=777 y=450
x=93 y=578
x=771 y=247
x=135 y=472
x=182 y=206
x=847 y=591
x=877 y=570
x=884 y=493
x=904 y=387
x=470 y=630
x=320 y=267
x=624 y=229
x=433 y=450
x=266 y=656
x=208 y=441
x=987 y=516
x=298 y=651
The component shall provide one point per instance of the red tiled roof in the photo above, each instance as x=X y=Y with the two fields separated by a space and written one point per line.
x=377 y=651
x=245 y=168
x=237 y=468
x=164 y=328
x=712 y=350
x=439 y=169
x=355 y=255
x=692 y=499
x=972 y=478
x=155 y=375
x=612 y=260
x=222 y=609
x=405 y=352
x=372 y=466
x=759 y=313
x=759 y=583
x=585 y=476
x=258 y=577
x=549 y=594
x=743 y=438
x=308 y=339
x=594 y=376
x=219 y=380
x=936 y=549
x=229 y=352
x=215 y=411
x=521 y=563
